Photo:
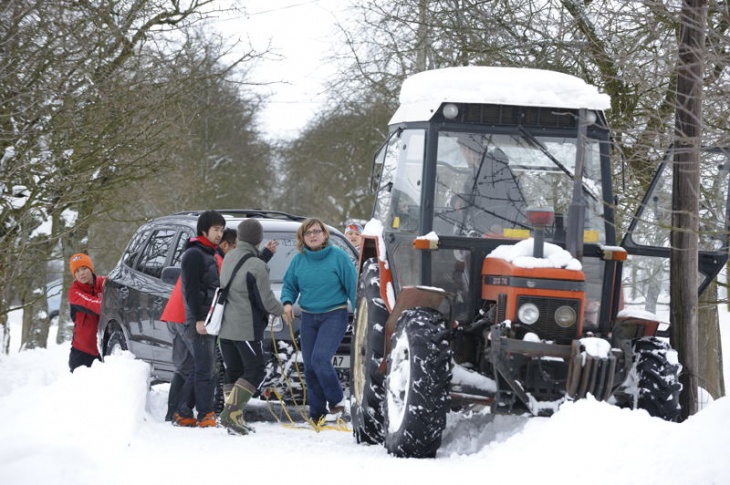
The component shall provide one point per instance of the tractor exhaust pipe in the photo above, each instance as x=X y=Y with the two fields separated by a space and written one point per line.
x=540 y=218
x=577 y=210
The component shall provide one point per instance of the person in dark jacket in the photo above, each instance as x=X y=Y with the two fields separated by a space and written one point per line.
x=199 y=280
x=84 y=298
x=228 y=241
x=249 y=302
x=174 y=316
x=322 y=278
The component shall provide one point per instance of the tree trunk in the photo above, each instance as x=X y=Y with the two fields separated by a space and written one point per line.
x=685 y=199
x=711 y=372
x=422 y=48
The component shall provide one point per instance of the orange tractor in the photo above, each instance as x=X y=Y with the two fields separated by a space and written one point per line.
x=490 y=274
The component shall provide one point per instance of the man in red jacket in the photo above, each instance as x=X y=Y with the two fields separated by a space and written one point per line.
x=84 y=298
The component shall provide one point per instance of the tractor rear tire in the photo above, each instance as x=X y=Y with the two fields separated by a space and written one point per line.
x=366 y=355
x=657 y=369
x=417 y=385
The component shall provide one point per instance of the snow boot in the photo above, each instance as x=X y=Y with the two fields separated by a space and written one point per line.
x=336 y=411
x=184 y=421
x=232 y=416
x=173 y=397
x=208 y=421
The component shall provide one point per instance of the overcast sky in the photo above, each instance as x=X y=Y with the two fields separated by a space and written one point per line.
x=301 y=34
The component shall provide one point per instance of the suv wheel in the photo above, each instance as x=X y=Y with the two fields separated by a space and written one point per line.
x=116 y=343
x=285 y=374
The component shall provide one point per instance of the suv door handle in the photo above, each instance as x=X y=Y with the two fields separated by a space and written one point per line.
x=123 y=292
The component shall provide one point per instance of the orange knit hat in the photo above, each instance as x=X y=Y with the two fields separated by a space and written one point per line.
x=78 y=260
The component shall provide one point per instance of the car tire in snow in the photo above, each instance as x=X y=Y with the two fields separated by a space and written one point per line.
x=284 y=374
x=366 y=355
x=116 y=343
x=417 y=385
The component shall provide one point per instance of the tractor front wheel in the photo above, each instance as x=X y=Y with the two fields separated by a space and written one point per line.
x=417 y=385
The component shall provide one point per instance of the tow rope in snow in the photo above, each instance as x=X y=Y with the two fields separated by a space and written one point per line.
x=321 y=425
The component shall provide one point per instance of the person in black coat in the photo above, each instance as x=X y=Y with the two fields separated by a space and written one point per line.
x=200 y=278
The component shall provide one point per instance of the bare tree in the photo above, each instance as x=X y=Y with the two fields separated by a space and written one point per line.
x=67 y=135
x=214 y=156
x=686 y=196
x=326 y=169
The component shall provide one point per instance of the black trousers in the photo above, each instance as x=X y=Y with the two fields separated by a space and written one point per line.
x=243 y=359
x=79 y=358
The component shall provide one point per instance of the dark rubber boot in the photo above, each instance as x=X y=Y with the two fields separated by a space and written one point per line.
x=173 y=398
x=232 y=416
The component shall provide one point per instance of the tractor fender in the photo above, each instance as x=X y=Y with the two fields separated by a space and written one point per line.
x=372 y=247
x=412 y=297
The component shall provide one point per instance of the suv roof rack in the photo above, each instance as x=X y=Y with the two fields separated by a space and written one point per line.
x=262 y=213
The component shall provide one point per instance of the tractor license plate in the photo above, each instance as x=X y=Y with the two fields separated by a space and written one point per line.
x=341 y=361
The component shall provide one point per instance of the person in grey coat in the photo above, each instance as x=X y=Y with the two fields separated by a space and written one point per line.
x=250 y=300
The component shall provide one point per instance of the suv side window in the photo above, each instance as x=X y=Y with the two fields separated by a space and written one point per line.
x=180 y=247
x=154 y=255
x=134 y=248
x=342 y=244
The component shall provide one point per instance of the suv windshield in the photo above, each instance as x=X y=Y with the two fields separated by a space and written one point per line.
x=288 y=248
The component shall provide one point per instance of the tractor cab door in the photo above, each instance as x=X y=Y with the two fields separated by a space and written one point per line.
x=647 y=241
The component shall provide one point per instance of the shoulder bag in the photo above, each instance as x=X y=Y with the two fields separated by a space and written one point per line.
x=215 y=314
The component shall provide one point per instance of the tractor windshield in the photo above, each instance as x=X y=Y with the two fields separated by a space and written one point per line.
x=485 y=183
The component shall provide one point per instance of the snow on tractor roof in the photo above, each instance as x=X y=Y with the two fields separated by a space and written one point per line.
x=423 y=93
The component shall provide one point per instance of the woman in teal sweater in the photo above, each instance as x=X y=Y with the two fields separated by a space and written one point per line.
x=322 y=279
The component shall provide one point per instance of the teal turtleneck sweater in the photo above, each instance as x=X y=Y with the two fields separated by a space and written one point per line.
x=322 y=280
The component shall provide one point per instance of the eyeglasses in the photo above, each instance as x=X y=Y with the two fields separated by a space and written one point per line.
x=313 y=232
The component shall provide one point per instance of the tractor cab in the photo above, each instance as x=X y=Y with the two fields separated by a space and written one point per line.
x=467 y=163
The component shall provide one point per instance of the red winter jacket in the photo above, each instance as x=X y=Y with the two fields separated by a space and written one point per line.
x=85 y=303
x=174 y=311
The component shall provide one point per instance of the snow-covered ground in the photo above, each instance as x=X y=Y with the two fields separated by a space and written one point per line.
x=104 y=426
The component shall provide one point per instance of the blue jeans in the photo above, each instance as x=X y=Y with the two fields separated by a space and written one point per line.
x=321 y=334
x=199 y=386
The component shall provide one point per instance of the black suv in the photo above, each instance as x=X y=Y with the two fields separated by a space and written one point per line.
x=138 y=288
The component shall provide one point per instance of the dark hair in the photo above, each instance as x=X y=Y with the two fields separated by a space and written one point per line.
x=208 y=219
x=229 y=236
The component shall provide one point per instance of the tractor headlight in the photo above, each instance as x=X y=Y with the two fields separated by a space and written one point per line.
x=528 y=313
x=451 y=111
x=565 y=316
